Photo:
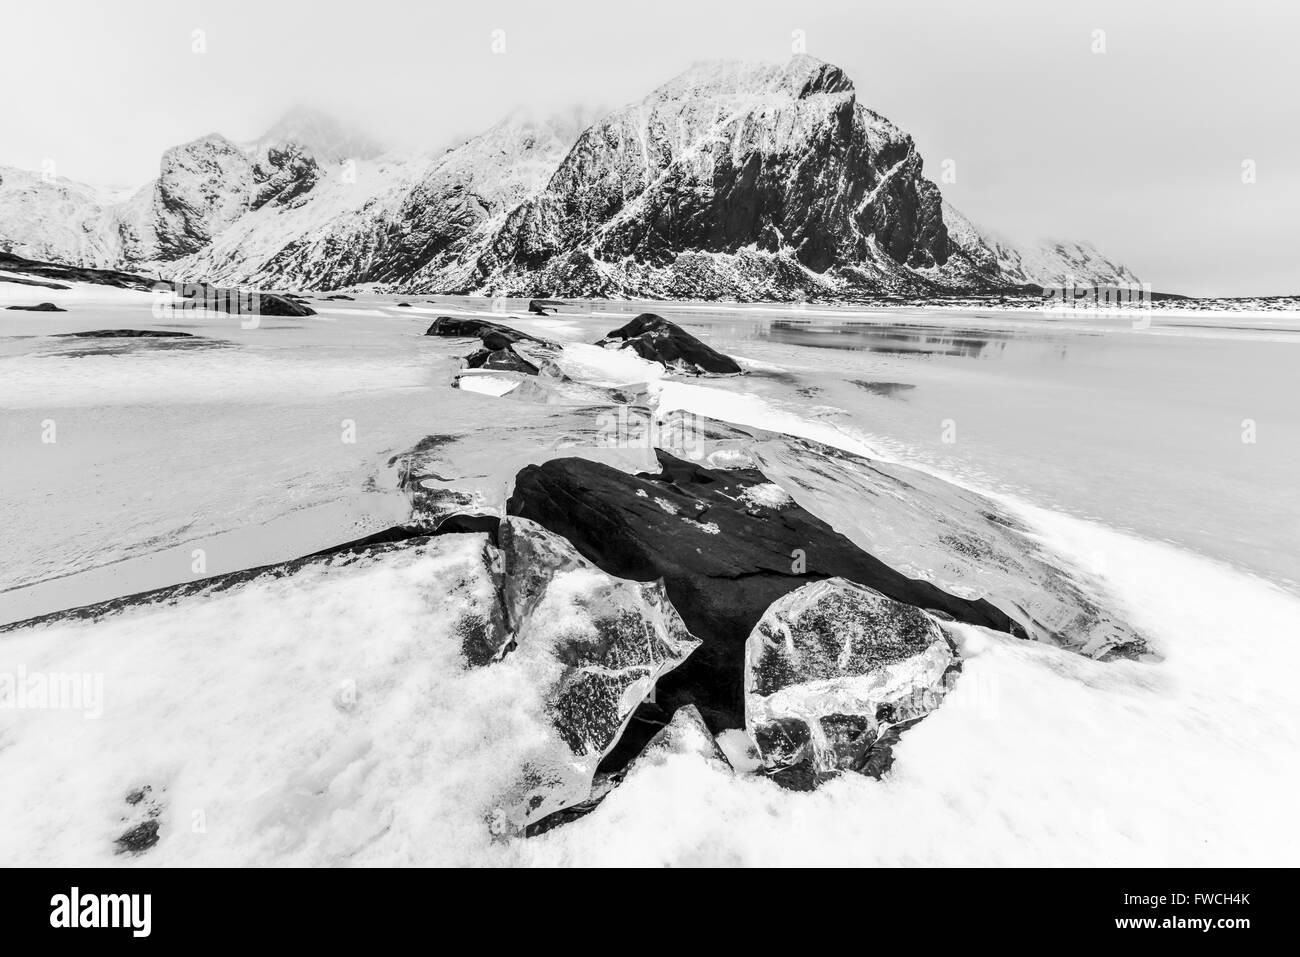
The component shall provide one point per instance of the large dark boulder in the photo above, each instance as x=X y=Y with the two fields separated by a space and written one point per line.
x=655 y=338
x=727 y=545
x=234 y=301
x=540 y=306
x=39 y=307
x=59 y=272
x=454 y=327
x=270 y=304
x=831 y=667
x=126 y=334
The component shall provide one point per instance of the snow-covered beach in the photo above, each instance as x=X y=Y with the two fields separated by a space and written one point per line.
x=325 y=714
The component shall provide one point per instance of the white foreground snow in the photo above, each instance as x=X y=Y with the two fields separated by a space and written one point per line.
x=235 y=709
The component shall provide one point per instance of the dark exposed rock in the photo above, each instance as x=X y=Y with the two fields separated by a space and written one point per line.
x=39 y=307
x=724 y=558
x=340 y=296
x=236 y=302
x=19 y=281
x=965 y=543
x=283 y=174
x=540 y=306
x=270 y=304
x=139 y=838
x=879 y=757
x=655 y=338
x=404 y=305
x=504 y=359
x=458 y=328
x=62 y=273
x=126 y=334
x=832 y=665
x=146 y=808
x=192 y=295
x=466 y=524
x=494 y=341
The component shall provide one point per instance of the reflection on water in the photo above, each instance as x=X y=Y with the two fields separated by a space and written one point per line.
x=887 y=339
x=890 y=390
x=92 y=348
x=1182 y=432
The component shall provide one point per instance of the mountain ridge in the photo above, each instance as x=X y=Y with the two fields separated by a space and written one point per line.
x=729 y=181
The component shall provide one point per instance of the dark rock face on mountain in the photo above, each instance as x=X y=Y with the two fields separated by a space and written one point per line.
x=655 y=338
x=777 y=169
x=39 y=307
x=283 y=175
x=725 y=548
x=409 y=221
x=832 y=665
x=202 y=188
x=456 y=328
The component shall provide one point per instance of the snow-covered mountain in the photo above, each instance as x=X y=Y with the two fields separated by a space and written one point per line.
x=731 y=181
x=56 y=219
x=1051 y=263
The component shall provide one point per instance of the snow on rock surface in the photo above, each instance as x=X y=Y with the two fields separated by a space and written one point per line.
x=316 y=710
x=594 y=646
x=724 y=562
x=203 y=187
x=312 y=712
x=685 y=734
x=832 y=665
x=960 y=540
x=51 y=218
x=656 y=339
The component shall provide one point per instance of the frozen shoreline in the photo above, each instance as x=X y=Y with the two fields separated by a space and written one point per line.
x=226 y=704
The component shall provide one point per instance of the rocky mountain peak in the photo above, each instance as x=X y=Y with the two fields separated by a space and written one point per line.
x=799 y=77
x=731 y=180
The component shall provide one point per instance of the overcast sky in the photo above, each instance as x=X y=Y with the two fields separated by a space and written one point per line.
x=1138 y=149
